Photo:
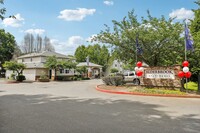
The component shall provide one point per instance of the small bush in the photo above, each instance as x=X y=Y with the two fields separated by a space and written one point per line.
x=20 y=78
x=75 y=78
x=106 y=80
x=113 y=80
x=191 y=86
x=59 y=78
x=114 y=70
x=85 y=78
x=12 y=76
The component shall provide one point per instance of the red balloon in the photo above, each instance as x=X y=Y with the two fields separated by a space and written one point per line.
x=185 y=64
x=181 y=74
x=188 y=74
x=139 y=64
x=139 y=73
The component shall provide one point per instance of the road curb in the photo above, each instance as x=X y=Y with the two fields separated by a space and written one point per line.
x=143 y=94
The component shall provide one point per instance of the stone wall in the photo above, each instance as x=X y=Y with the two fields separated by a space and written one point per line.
x=161 y=82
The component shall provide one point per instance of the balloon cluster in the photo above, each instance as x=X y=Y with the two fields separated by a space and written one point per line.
x=185 y=73
x=139 y=69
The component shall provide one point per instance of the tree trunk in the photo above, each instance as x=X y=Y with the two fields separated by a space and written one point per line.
x=55 y=75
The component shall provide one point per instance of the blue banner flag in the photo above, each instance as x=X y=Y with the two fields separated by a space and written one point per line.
x=139 y=49
x=188 y=40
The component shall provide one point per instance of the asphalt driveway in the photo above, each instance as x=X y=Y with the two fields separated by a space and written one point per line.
x=76 y=107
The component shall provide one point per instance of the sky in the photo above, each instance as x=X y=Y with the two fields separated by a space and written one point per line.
x=70 y=23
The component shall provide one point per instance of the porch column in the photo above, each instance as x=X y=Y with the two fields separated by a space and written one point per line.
x=52 y=74
x=100 y=72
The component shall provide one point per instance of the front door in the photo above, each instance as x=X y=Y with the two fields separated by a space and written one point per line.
x=50 y=73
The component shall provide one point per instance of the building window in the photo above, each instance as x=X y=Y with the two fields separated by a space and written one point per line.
x=22 y=60
x=31 y=59
x=61 y=71
x=115 y=65
x=66 y=71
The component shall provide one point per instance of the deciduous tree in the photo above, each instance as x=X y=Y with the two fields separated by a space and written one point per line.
x=97 y=54
x=194 y=56
x=14 y=66
x=159 y=39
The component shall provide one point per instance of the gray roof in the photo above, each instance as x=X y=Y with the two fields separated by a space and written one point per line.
x=34 y=65
x=90 y=64
x=45 y=54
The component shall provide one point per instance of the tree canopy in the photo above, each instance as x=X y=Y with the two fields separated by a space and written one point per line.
x=3 y=11
x=7 y=46
x=159 y=39
x=194 y=56
x=53 y=63
x=97 y=54
x=14 y=66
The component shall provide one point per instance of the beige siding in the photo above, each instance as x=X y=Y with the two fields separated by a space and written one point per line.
x=26 y=60
x=8 y=73
x=36 y=59
x=43 y=59
x=19 y=60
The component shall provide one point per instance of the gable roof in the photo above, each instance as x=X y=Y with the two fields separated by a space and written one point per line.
x=45 y=54
x=90 y=64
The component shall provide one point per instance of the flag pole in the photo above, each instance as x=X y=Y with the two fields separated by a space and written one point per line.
x=136 y=56
x=185 y=45
x=185 y=52
x=136 y=50
x=136 y=53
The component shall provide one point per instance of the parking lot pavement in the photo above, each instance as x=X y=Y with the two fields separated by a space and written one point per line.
x=77 y=107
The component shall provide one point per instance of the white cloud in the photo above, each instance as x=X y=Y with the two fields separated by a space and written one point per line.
x=75 y=15
x=108 y=2
x=182 y=14
x=14 y=22
x=35 y=31
x=75 y=40
x=89 y=39
x=69 y=46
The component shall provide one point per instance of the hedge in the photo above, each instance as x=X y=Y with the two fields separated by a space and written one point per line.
x=113 y=80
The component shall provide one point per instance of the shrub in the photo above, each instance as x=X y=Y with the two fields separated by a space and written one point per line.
x=113 y=80
x=114 y=70
x=43 y=76
x=20 y=78
x=12 y=76
x=75 y=78
x=85 y=78
x=59 y=78
x=106 y=80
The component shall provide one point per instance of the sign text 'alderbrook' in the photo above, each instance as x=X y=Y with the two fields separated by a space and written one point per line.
x=159 y=74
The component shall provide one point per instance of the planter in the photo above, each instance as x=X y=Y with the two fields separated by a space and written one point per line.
x=43 y=80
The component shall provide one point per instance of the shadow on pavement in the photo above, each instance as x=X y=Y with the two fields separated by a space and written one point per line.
x=48 y=114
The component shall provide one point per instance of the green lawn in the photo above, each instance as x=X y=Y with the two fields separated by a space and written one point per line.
x=191 y=86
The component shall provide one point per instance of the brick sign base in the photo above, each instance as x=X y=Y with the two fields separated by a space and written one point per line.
x=161 y=77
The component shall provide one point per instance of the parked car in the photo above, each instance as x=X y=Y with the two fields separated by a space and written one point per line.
x=131 y=77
